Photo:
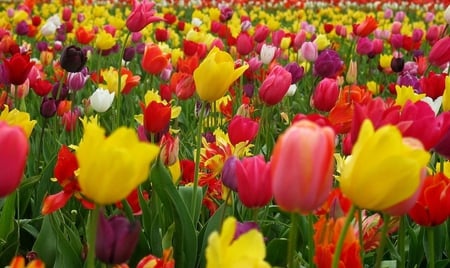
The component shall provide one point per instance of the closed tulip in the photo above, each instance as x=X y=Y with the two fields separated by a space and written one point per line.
x=119 y=163
x=244 y=44
x=242 y=129
x=73 y=59
x=101 y=100
x=325 y=95
x=253 y=181
x=215 y=75
x=440 y=52
x=13 y=157
x=302 y=166
x=275 y=86
x=116 y=239
x=384 y=169
x=154 y=60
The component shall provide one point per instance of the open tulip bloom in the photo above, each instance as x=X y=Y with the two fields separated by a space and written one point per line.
x=225 y=134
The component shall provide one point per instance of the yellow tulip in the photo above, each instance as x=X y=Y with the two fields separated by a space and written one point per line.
x=111 y=167
x=248 y=250
x=406 y=93
x=18 y=118
x=446 y=95
x=385 y=61
x=104 y=41
x=215 y=75
x=384 y=169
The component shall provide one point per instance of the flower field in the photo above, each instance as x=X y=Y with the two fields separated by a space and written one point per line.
x=225 y=134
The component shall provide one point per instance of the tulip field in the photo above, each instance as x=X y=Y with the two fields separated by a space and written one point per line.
x=221 y=134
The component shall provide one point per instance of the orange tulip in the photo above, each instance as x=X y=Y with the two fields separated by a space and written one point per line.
x=366 y=27
x=154 y=60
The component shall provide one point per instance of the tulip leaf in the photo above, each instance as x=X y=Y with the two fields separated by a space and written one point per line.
x=150 y=224
x=213 y=224
x=45 y=245
x=185 y=237
x=276 y=252
x=7 y=216
x=186 y=194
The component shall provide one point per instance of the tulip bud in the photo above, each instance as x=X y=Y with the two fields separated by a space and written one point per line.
x=309 y=52
x=13 y=157
x=229 y=178
x=244 y=44
x=267 y=53
x=352 y=72
x=48 y=107
x=116 y=239
x=169 y=149
x=397 y=64
x=73 y=59
x=325 y=95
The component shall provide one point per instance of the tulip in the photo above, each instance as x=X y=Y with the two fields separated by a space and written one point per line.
x=433 y=206
x=446 y=95
x=447 y=15
x=73 y=59
x=84 y=36
x=364 y=46
x=267 y=53
x=244 y=44
x=352 y=72
x=48 y=107
x=366 y=27
x=223 y=251
x=253 y=181
x=384 y=169
x=170 y=147
x=440 y=52
x=433 y=85
x=261 y=33
x=309 y=148
x=215 y=74
x=275 y=86
x=229 y=177
x=142 y=14
x=101 y=100
x=76 y=81
x=242 y=129
x=150 y=261
x=154 y=60
x=116 y=239
x=328 y=64
x=156 y=117
x=13 y=157
x=325 y=94
x=297 y=71
x=17 y=68
x=104 y=41
x=309 y=52
x=117 y=156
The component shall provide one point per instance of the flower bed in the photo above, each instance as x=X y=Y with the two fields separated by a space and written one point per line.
x=224 y=134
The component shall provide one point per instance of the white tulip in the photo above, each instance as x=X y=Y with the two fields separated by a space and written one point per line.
x=447 y=15
x=267 y=53
x=101 y=100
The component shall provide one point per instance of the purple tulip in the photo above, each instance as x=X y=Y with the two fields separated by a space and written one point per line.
x=229 y=178
x=327 y=64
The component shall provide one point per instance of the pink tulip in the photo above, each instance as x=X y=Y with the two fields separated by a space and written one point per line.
x=275 y=86
x=302 y=167
x=309 y=51
x=253 y=181
x=364 y=46
x=440 y=52
x=244 y=44
x=142 y=15
x=325 y=95
x=13 y=157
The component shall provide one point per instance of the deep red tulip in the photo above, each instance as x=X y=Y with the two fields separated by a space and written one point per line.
x=433 y=85
x=161 y=35
x=18 y=67
x=440 y=52
x=156 y=117
x=325 y=94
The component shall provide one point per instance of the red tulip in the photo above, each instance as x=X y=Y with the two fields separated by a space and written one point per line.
x=242 y=129
x=302 y=167
x=13 y=157
x=253 y=181
x=275 y=86
x=433 y=206
x=244 y=44
x=161 y=35
x=18 y=67
x=156 y=117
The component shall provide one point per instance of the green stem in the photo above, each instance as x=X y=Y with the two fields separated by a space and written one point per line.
x=41 y=142
x=337 y=252
x=119 y=81
x=311 y=239
x=430 y=237
x=197 y=159
x=293 y=233
x=401 y=242
x=384 y=231
x=361 y=235
x=91 y=235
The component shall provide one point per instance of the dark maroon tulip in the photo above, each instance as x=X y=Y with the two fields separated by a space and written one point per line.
x=73 y=59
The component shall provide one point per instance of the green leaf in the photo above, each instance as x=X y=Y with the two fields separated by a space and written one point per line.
x=150 y=224
x=186 y=194
x=45 y=245
x=7 y=217
x=276 y=252
x=214 y=224
x=185 y=237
